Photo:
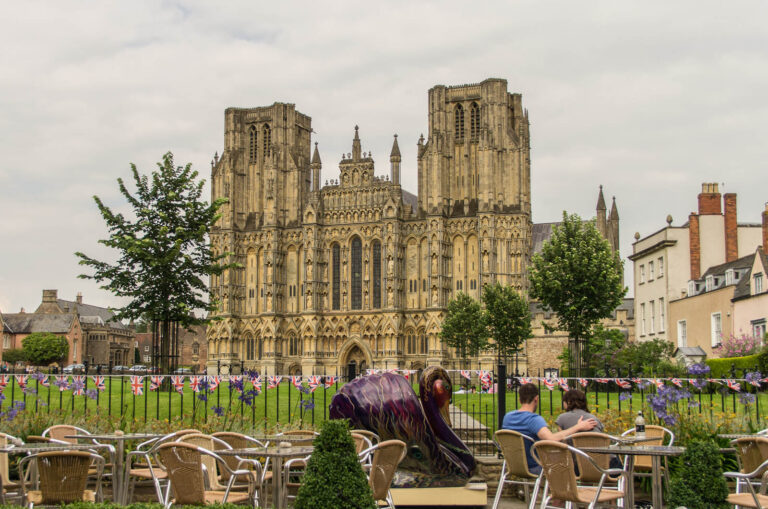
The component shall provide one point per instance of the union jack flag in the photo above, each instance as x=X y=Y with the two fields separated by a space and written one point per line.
x=314 y=382
x=213 y=382
x=637 y=381
x=273 y=381
x=194 y=383
x=178 y=383
x=44 y=381
x=623 y=383
x=733 y=385
x=329 y=381
x=137 y=385
x=602 y=380
x=525 y=380
x=715 y=381
x=549 y=383
x=155 y=381
x=563 y=384
x=658 y=383
x=236 y=379
x=584 y=382
x=756 y=383
x=391 y=370
x=22 y=380
x=677 y=382
x=466 y=374
x=61 y=382
x=98 y=381
x=256 y=381
x=78 y=385
x=3 y=380
x=296 y=381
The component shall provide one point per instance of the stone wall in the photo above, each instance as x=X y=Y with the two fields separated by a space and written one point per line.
x=543 y=351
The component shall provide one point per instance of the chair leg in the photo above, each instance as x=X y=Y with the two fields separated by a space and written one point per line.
x=545 y=496
x=502 y=478
x=390 y=502
x=536 y=487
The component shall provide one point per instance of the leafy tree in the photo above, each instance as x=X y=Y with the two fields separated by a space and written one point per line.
x=464 y=326
x=164 y=254
x=507 y=318
x=41 y=348
x=14 y=355
x=334 y=476
x=577 y=276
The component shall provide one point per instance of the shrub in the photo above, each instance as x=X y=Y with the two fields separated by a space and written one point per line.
x=738 y=346
x=334 y=476
x=700 y=481
x=721 y=368
x=14 y=355
x=41 y=348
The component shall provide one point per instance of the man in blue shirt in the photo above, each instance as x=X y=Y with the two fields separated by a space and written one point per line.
x=528 y=422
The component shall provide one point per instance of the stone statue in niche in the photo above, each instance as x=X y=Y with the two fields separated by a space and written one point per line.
x=434 y=264
x=309 y=270
x=390 y=265
x=485 y=261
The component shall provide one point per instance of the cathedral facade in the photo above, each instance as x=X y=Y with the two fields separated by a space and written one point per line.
x=357 y=273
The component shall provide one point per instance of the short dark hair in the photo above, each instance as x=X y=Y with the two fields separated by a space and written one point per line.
x=575 y=399
x=527 y=393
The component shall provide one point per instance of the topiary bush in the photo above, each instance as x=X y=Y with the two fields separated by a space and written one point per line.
x=699 y=481
x=334 y=476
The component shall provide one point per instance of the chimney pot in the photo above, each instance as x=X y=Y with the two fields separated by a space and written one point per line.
x=709 y=199
x=79 y=297
x=50 y=295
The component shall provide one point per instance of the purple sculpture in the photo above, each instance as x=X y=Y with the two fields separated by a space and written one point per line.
x=387 y=405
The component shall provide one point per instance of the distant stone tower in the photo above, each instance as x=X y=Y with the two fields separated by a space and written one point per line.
x=608 y=226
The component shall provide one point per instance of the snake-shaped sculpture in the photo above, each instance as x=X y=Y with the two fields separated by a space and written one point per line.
x=387 y=405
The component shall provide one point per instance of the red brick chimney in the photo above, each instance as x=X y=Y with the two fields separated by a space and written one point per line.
x=731 y=228
x=765 y=229
x=709 y=199
x=695 y=244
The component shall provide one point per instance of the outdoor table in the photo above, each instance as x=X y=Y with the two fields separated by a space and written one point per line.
x=283 y=438
x=631 y=439
x=118 y=493
x=48 y=447
x=734 y=436
x=656 y=452
x=278 y=454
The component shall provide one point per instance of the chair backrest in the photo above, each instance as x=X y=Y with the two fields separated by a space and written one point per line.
x=557 y=466
x=63 y=475
x=60 y=432
x=235 y=441
x=752 y=451
x=210 y=463
x=37 y=439
x=361 y=442
x=512 y=445
x=184 y=465
x=386 y=457
x=587 y=471
x=370 y=435
x=659 y=434
x=309 y=434
x=4 y=459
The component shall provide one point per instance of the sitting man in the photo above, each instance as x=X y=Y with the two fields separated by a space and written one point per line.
x=528 y=422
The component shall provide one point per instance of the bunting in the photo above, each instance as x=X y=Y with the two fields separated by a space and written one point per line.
x=3 y=381
x=178 y=383
x=314 y=382
x=61 y=382
x=256 y=381
x=296 y=381
x=733 y=385
x=78 y=385
x=44 y=380
x=563 y=382
x=584 y=382
x=549 y=383
x=623 y=384
x=194 y=383
x=22 y=380
x=236 y=380
x=155 y=381
x=137 y=385
x=658 y=383
x=677 y=382
x=98 y=382
x=273 y=381
x=213 y=382
x=330 y=380
x=466 y=374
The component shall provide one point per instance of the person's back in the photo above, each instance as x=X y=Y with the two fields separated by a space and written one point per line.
x=571 y=417
x=529 y=424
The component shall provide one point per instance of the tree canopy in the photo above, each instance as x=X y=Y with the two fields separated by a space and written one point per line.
x=578 y=276
x=464 y=327
x=507 y=319
x=42 y=348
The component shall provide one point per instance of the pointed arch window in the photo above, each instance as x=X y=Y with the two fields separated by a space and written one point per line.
x=267 y=136
x=376 y=259
x=458 y=117
x=252 y=143
x=336 y=282
x=357 y=273
x=474 y=122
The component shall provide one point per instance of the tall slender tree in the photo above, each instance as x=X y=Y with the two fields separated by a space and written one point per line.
x=164 y=253
x=464 y=327
x=507 y=318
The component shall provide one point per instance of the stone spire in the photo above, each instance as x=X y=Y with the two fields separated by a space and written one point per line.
x=601 y=200
x=601 y=220
x=315 y=167
x=394 y=160
x=614 y=214
x=356 y=146
x=316 y=156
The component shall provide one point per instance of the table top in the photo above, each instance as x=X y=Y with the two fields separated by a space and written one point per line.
x=269 y=452
x=631 y=439
x=114 y=437
x=638 y=450
x=47 y=447
x=283 y=438
x=734 y=436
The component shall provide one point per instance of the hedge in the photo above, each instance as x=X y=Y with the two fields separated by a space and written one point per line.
x=721 y=368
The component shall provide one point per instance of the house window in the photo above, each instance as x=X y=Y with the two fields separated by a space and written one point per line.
x=642 y=319
x=336 y=283
x=682 y=333
x=294 y=346
x=758 y=279
x=146 y=348
x=376 y=255
x=691 y=288
x=758 y=329
x=661 y=314
x=652 y=329
x=642 y=274
x=195 y=348
x=660 y=263
x=650 y=271
x=423 y=343
x=716 y=329
x=6 y=342
x=729 y=277
x=267 y=139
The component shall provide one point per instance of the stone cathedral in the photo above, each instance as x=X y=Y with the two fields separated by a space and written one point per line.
x=356 y=273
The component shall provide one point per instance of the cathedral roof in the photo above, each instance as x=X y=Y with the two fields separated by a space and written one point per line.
x=411 y=199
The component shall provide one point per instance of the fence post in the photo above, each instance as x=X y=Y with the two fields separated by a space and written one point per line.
x=501 y=393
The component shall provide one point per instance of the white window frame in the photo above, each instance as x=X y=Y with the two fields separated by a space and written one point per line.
x=662 y=313
x=682 y=333
x=642 y=274
x=6 y=341
x=642 y=319
x=758 y=279
x=729 y=277
x=709 y=283
x=650 y=271
x=691 y=288
x=716 y=328
x=660 y=268
x=759 y=328
x=652 y=328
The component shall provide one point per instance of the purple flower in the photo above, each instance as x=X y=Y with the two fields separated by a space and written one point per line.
x=29 y=390
x=746 y=398
x=753 y=378
x=202 y=396
x=698 y=369
x=623 y=396
x=38 y=376
x=76 y=386
x=308 y=404
x=236 y=384
x=61 y=383
x=218 y=410
x=699 y=383
x=665 y=398
x=92 y=393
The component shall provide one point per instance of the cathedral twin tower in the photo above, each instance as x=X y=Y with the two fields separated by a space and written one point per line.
x=357 y=273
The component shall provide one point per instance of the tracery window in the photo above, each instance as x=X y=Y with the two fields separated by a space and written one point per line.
x=294 y=345
x=423 y=343
x=261 y=348
x=357 y=273
x=267 y=140
x=376 y=256
x=474 y=122
x=249 y=349
x=252 y=146
x=458 y=116
x=336 y=283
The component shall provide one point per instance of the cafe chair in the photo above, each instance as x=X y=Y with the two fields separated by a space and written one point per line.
x=385 y=457
x=362 y=443
x=643 y=464
x=370 y=435
x=187 y=477
x=7 y=486
x=239 y=441
x=587 y=472
x=62 y=477
x=750 y=498
x=512 y=446
x=557 y=463
x=751 y=452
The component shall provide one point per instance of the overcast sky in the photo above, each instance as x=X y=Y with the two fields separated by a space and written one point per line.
x=648 y=98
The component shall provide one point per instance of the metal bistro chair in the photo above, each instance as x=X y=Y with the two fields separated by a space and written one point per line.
x=238 y=441
x=587 y=472
x=187 y=480
x=557 y=463
x=361 y=444
x=8 y=487
x=749 y=479
x=63 y=476
x=751 y=452
x=512 y=446
x=643 y=464
x=386 y=456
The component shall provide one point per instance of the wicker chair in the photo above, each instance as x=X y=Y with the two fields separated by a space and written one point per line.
x=512 y=446
x=370 y=435
x=63 y=477
x=293 y=469
x=587 y=471
x=362 y=443
x=557 y=463
x=184 y=466
x=59 y=433
x=387 y=456
x=238 y=441
x=751 y=498
x=751 y=453
x=309 y=434
x=6 y=485
x=643 y=464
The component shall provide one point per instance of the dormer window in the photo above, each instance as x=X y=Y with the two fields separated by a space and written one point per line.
x=729 y=277
x=710 y=283
x=691 y=288
x=758 y=280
